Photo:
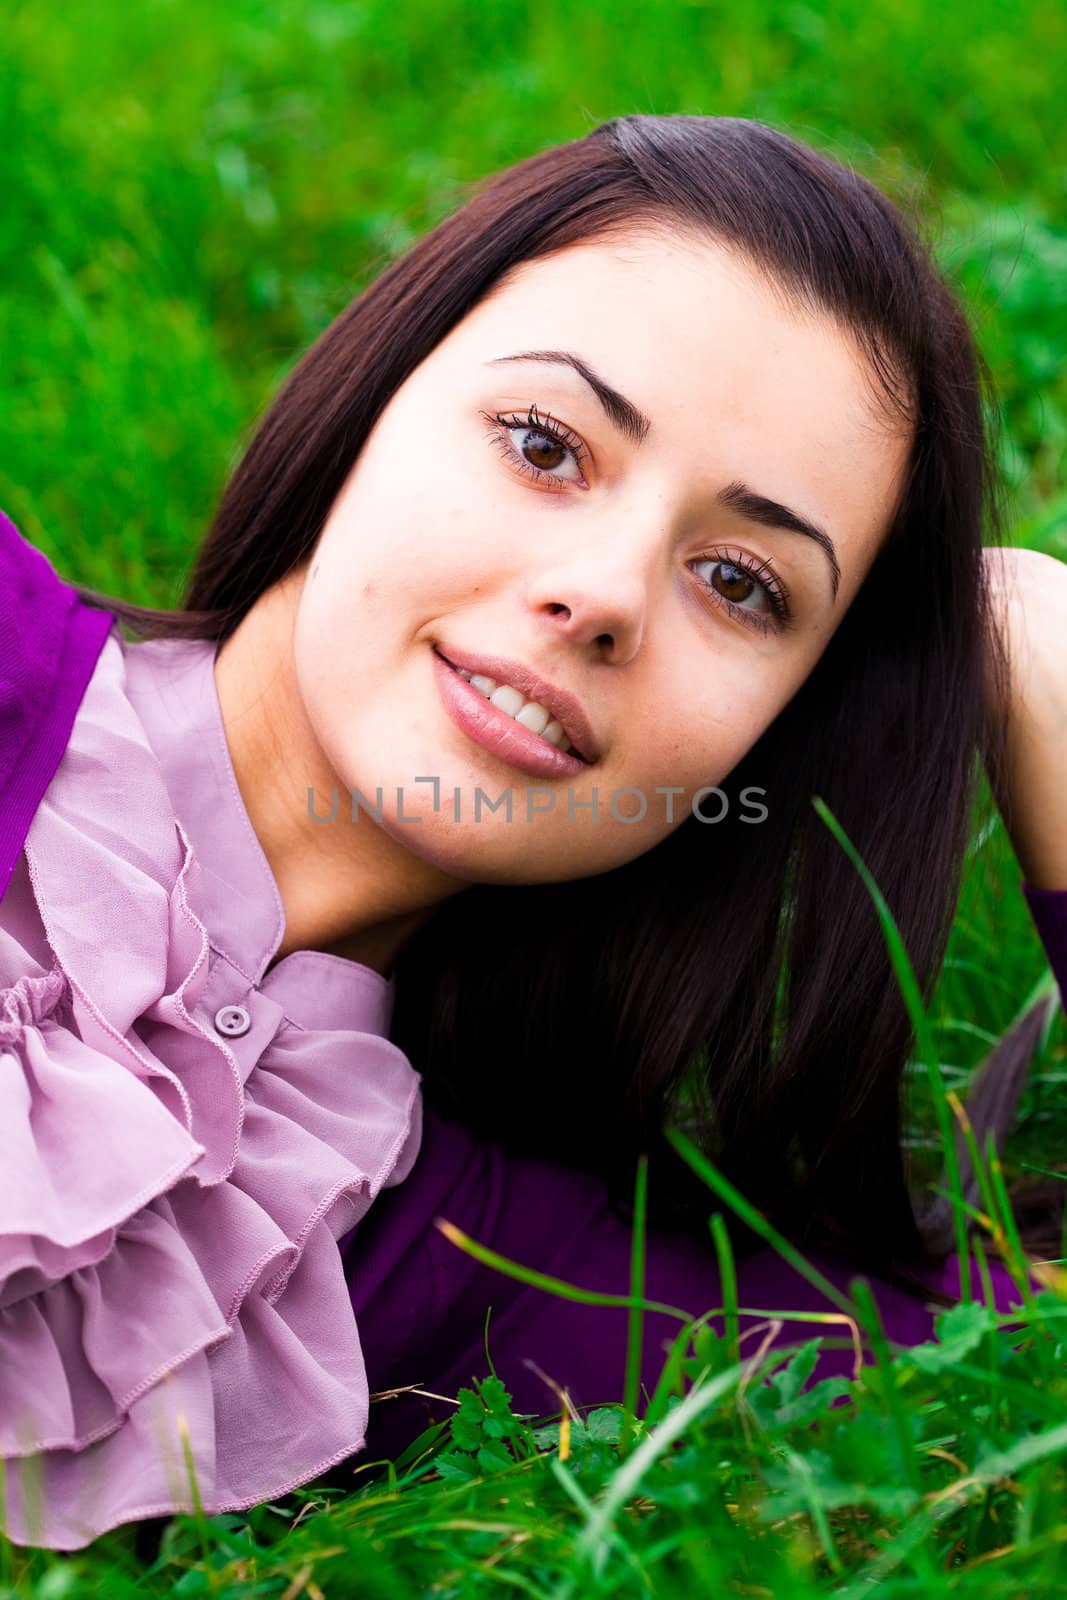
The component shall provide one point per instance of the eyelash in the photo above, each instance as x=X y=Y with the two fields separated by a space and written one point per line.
x=558 y=433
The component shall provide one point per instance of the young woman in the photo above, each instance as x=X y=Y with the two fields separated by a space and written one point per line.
x=457 y=834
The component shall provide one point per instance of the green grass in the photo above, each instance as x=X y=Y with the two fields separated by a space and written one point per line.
x=191 y=193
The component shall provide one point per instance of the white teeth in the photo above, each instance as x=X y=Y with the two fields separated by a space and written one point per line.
x=528 y=712
x=507 y=699
x=533 y=716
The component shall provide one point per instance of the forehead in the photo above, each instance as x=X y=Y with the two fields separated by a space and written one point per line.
x=738 y=380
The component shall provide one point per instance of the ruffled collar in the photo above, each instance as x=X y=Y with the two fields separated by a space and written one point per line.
x=171 y=684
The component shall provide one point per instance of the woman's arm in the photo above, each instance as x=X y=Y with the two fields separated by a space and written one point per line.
x=1030 y=590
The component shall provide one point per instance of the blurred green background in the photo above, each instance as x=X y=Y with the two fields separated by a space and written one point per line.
x=192 y=191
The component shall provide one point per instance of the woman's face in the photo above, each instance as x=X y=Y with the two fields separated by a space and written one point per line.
x=604 y=475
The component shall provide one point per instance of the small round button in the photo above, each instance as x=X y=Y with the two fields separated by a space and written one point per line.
x=232 y=1021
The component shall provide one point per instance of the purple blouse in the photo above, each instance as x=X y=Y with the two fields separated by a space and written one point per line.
x=219 y=1181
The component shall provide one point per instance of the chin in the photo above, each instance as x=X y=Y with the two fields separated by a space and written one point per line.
x=471 y=852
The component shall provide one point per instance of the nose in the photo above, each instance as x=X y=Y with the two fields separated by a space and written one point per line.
x=592 y=600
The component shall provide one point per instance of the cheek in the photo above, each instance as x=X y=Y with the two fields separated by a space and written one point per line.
x=699 y=742
x=415 y=552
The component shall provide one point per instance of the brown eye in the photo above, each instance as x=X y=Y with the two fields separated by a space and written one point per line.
x=735 y=586
x=539 y=447
x=732 y=583
x=544 y=453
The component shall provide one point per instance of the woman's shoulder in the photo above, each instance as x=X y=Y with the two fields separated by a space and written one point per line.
x=102 y=854
x=50 y=643
x=98 y=925
x=98 y=929
x=85 y=810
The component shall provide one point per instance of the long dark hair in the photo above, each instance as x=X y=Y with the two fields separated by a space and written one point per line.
x=734 y=979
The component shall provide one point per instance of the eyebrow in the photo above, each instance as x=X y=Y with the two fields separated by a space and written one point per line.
x=633 y=424
x=771 y=514
x=622 y=412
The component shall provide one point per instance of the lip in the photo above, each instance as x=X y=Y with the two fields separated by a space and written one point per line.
x=498 y=733
x=559 y=703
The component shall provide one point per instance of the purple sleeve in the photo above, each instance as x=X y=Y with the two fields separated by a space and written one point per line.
x=1048 y=907
x=420 y=1301
x=49 y=644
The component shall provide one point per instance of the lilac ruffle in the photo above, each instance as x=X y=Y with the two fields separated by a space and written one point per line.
x=169 y=1211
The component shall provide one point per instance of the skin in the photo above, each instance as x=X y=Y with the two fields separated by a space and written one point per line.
x=597 y=578
x=1030 y=595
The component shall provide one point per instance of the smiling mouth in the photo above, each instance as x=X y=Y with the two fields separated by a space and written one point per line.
x=528 y=713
